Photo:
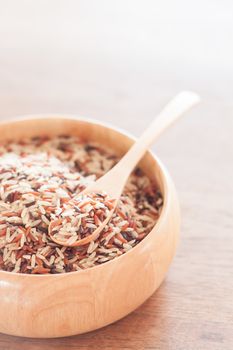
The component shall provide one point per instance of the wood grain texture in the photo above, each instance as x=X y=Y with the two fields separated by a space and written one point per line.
x=120 y=62
x=61 y=305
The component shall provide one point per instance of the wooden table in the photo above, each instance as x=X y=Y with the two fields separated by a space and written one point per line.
x=120 y=62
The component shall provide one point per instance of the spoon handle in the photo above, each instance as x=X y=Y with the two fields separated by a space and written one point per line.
x=170 y=113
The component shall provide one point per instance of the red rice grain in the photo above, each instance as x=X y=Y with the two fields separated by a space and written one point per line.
x=40 y=182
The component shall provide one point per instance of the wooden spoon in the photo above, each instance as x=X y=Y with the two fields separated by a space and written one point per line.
x=114 y=180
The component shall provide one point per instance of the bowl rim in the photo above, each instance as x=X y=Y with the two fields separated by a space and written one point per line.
x=166 y=198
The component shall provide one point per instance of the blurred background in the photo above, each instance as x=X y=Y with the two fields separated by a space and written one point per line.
x=111 y=59
x=120 y=62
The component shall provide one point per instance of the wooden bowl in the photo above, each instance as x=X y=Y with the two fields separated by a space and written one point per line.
x=60 y=305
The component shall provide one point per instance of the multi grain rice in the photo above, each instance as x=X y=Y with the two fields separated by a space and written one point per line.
x=82 y=216
x=40 y=182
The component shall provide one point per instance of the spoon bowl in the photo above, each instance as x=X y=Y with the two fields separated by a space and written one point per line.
x=79 y=242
